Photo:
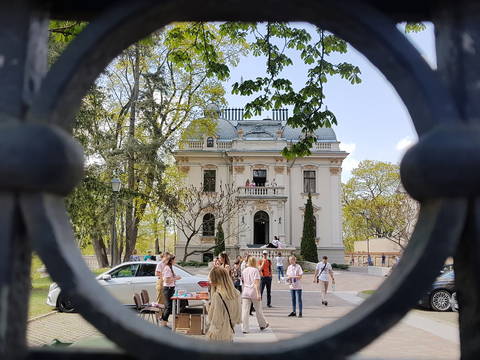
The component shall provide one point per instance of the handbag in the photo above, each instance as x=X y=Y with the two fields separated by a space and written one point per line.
x=228 y=312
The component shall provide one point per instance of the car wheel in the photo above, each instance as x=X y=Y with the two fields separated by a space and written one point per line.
x=64 y=304
x=440 y=300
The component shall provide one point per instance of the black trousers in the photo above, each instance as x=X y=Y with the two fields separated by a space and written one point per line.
x=266 y=281
x=167 y=294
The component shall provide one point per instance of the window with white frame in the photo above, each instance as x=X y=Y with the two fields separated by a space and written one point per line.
x=309 y=181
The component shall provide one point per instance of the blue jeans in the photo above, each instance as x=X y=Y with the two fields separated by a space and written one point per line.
x=280 y=272
x=298 y=294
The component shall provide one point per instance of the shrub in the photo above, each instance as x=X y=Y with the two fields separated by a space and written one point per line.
x=192 y=263
x=340 y=266
x=308 y=246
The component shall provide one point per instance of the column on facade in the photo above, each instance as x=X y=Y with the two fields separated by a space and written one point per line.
x=335 y=207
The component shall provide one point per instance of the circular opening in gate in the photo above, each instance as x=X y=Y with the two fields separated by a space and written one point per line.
x=104 y=313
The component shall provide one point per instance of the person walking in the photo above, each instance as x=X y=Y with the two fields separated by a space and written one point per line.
x=169 y=279
x=322 y=271
x=243 y=266
x=159 y=275
x=224 y=310
x=265 y=267
x=251 y=295
x=237 y=274
x=294 y=278
x=279 y=263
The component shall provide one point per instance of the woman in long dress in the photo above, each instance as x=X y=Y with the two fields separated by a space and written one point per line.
x=224 y=308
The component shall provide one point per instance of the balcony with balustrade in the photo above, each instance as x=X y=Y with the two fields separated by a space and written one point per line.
x=261 y=192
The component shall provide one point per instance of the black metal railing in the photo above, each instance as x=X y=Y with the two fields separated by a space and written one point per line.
x=40 y=163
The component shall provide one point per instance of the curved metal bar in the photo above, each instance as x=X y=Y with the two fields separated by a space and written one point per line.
x=439 y=226
x=371 y=33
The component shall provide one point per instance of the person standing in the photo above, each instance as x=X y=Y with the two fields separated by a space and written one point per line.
x=158 y=274
x=251 y=295
x=265 y=267
x=383 y=259
x=294 y=278
x=224 y=310
x=169 y=279
x=224 y=261
x=279 y=263
x=237 y=274
x=322 y=271
x=148 y=256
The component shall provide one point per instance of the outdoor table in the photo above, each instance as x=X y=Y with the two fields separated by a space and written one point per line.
x=199 y=296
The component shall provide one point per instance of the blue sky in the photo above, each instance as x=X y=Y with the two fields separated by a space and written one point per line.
x=372 y=121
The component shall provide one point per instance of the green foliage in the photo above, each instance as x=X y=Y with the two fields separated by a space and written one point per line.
x=277 y=42
x=340 y=266
x=192 y=263
x=375 y=205
x=219 y=240
x=308 y=247
x=414 y=27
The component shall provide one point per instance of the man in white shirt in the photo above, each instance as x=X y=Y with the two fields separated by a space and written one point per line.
x=322 y=271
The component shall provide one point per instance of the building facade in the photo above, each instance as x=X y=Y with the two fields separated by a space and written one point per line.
x=249 y=151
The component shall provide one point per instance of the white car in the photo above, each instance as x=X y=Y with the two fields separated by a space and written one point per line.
x=126 y=279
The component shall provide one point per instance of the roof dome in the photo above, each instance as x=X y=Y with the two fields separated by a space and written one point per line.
x=322 y=134
x=225 y=130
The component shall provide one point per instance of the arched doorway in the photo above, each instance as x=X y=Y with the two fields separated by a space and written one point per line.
x=261 y=222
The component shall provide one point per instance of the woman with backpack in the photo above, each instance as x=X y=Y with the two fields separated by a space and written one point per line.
x=322 y=271
x=224 y=310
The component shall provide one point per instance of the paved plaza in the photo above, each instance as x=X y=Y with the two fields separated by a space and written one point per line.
x=420 y=335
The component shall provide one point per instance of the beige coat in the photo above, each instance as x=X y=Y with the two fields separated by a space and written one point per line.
x=219 y=328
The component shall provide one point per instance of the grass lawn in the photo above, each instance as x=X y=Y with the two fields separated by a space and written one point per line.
x=40 y=285
x=38 y=297
x=367 y=292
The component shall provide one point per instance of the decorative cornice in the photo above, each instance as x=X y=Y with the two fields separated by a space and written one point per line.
x=279 y=169
x=335 y=170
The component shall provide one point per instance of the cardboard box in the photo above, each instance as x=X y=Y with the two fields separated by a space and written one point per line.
x=195 y=325
x=182 y=322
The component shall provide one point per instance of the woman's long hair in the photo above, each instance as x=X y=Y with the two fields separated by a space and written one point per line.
x=221 y=282
x=224 y=257
x=169 y=263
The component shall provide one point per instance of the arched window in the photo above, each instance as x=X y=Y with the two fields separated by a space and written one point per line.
x=208 y=225
x=210 y=142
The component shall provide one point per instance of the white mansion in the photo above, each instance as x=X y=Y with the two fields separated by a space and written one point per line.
x=251 y=150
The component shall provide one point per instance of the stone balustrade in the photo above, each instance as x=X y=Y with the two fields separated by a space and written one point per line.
x=261 y=191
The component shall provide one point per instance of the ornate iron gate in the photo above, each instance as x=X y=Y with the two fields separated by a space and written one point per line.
x=40 y=163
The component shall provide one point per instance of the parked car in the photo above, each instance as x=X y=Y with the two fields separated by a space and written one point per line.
x=126 y=279
x=440 y=295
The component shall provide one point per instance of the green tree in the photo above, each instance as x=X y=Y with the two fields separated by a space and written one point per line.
x=376 y=206
x=308 y=247
x=219 y=240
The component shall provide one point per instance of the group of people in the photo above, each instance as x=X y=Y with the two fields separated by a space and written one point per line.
x=236 y=290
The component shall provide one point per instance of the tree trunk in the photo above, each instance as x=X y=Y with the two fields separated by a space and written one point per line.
x=100 y=250
x=131 y=233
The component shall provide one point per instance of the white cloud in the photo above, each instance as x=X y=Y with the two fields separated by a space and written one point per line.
x=404 y=144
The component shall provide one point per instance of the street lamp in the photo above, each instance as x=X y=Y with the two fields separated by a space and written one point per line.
x=116 y=186
x=165 y=224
